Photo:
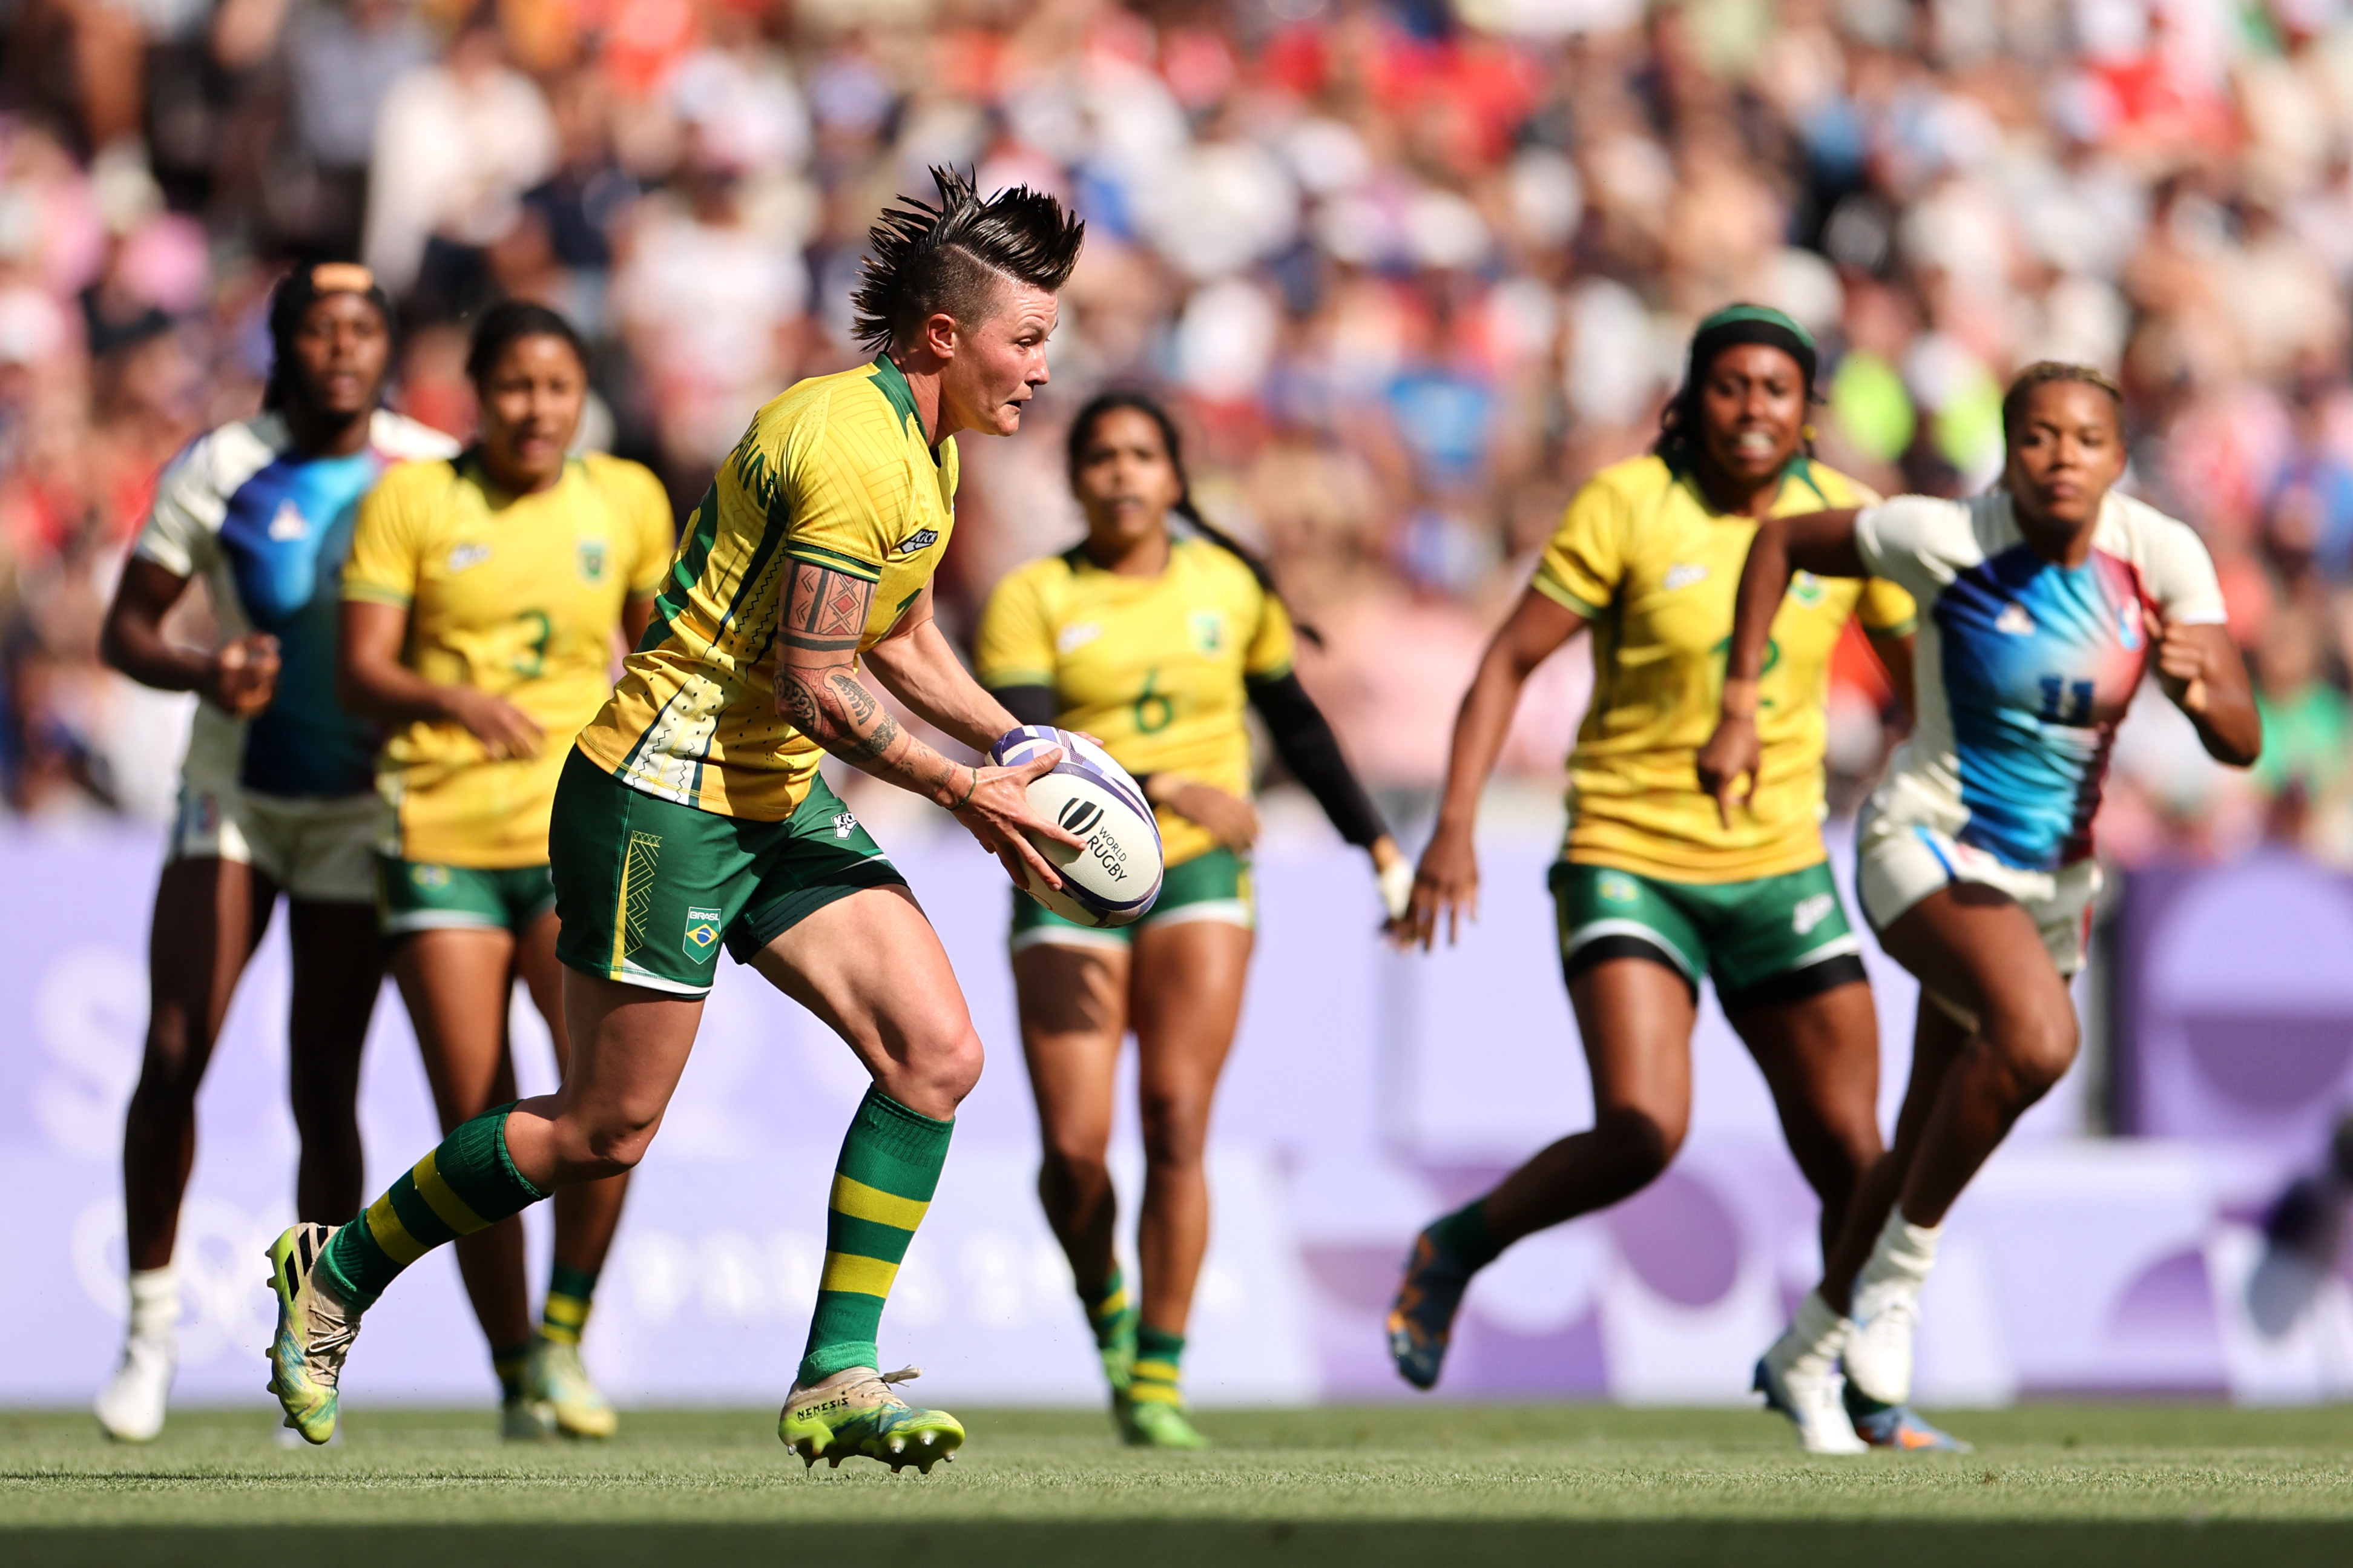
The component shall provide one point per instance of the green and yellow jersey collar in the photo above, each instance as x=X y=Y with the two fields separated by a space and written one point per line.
x=893 y=381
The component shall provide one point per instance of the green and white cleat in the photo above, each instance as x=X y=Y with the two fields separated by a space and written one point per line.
x=523 y=1419
x=1157 y=1424
x=859 y=1411
x=315 y=1333
x=555 y=1379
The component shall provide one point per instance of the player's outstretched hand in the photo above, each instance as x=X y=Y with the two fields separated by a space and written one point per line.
x=1445 y=887
x=997 y=812
x=505 y=731
x=1730 y=755
x=243 y=675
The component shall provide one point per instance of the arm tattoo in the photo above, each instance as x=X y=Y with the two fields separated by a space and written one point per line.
x=869 y=748
x=819 y=691
x=825 y=610
x=854 y=696
x=799 y=705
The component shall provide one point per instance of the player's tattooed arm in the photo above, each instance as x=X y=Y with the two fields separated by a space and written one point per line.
x=819 y=693
x=915 y=665
x=818 y=690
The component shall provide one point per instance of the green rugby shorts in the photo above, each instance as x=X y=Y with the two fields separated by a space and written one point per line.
x=1766 y=942
x=423 y=895
x=649 y=890
x=1211 y=886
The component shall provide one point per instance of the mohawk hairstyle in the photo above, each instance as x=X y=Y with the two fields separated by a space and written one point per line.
x=924 y=259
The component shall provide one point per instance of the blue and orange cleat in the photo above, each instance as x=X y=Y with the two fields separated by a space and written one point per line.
x=1898 y=1426
x=1421 y=1319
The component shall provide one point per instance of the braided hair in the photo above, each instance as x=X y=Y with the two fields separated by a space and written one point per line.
x=1083 y=429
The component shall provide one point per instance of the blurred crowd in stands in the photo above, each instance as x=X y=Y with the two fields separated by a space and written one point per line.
x=1412 y=271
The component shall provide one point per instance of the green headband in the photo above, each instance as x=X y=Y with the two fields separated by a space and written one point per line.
x=1737 y=325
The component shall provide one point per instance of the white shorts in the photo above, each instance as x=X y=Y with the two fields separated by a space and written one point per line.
x=321 y=849
x=1899 y=863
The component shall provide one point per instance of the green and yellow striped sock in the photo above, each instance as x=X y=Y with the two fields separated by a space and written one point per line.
x=508 y=1360
x=1110 y=1313
x=565 y=1316
x=1159 y=1367
x=1107 y=1308
x=463 y=1186
x=890 y=1166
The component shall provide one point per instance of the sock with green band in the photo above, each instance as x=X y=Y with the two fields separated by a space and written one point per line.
x=1106 y=1309
x=890 y=1166
x=565 y=1316
x=508 y=1362
x=1159 y=1365
x=1464 y=1236
x=463 y=1186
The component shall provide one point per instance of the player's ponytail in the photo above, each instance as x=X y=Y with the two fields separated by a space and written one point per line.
x=1083 y=429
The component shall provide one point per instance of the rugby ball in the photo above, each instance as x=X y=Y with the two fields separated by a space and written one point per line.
x=1116 y=877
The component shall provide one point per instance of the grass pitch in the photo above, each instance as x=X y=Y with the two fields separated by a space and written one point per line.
x=2083 y=1485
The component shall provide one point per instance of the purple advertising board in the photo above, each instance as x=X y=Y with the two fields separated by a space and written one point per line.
x=1367 y=1091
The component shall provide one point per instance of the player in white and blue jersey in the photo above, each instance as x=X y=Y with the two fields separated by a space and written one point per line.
x=2042 y=603
x=278 y=791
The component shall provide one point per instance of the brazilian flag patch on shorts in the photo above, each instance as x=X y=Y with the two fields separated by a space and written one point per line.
x=702 y=929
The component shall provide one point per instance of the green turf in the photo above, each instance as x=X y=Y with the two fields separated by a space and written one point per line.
x=2080 y=1485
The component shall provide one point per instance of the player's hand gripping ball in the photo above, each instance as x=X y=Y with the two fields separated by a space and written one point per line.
x=1113 y=880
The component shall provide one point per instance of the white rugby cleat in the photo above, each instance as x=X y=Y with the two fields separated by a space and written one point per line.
x=1799 y=1378
x=1878 y=1353
x=131 y=1406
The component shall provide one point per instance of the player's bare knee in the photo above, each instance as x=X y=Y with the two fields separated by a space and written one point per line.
x=1075 y=1165
x=1639 y=1144
x=1175 y=1128
x=2037 y=1049
x=937 y=1070
x=606 y=1144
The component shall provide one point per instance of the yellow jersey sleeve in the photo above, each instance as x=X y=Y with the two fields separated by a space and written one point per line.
x=1015 y=645
x=1272 y=648
x=1586 y=559
x=1886 y=610
x=387 y=539
x=842 y=494
x=652 y=531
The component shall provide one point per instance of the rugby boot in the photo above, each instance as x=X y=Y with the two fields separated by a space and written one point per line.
x=1421 y=1319
x=555 y=1379
x=1898 y=1426
x=315 y=1332
x=859 y=1412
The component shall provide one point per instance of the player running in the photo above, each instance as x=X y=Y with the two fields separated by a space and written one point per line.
x=2045 y=601
x=1157 y=644
x=480 y=609
x=1654 y=889
x=275 y=791
x=690 y=814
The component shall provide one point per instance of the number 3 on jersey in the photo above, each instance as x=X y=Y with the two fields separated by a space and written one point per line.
x=537 y=628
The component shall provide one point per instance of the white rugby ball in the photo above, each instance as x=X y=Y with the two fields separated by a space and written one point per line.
x=1112 y=880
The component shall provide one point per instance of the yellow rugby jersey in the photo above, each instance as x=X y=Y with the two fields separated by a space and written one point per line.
x=835 y=471
x=515 y=595
x=1152 y=666
x=1643 y=557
